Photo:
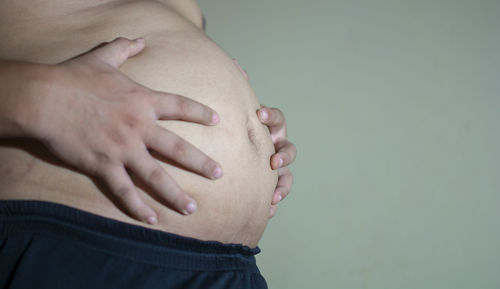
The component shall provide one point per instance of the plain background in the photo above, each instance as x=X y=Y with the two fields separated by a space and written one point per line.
x=394 y=107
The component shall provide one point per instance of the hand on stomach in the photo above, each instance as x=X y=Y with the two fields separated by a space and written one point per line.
x=233 y=209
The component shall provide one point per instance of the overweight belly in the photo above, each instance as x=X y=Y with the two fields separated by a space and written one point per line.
x=233 y=209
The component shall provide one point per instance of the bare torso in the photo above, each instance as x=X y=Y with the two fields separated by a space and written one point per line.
x=178 y=58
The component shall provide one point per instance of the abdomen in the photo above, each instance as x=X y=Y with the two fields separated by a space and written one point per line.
x=237 y=205
x=233 y=209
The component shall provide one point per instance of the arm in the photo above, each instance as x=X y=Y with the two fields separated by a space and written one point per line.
x=93 y=117
x=18 y=86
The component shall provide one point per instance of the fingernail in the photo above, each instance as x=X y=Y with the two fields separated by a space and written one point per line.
x=277 y=198
x=191 y=208
x=140 y=40
x=263 y=115
x=152 y=220
x=276 y=164
x=217 y=173
x=215 y=118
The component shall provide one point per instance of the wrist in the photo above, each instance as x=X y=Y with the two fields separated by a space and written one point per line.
x=31 y=118
x=24 y=86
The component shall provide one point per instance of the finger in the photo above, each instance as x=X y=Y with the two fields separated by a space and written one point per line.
x=285 y=182
x=176 y=107
x=272 y=117
x=149 y=171
x=177 y=149
x=272 y=212
x=285 y=155
x=116 y=52
x=276 y=197
x=122 y=187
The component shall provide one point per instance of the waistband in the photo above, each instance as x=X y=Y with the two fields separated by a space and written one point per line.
x=125 y=240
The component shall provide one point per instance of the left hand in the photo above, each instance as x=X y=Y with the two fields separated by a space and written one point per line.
x=285 y=153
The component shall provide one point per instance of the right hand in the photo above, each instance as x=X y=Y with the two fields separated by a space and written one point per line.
x=100 y=121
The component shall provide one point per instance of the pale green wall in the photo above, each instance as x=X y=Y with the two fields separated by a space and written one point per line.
x=395 y=109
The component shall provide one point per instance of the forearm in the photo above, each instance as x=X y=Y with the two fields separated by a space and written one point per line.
x=20 y=86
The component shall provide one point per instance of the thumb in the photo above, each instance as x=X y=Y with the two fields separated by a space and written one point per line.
x=116 y=52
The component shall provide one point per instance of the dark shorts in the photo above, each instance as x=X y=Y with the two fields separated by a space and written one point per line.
x=46 y=245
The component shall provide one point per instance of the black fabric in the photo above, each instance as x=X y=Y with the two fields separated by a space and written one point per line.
x=47 y=245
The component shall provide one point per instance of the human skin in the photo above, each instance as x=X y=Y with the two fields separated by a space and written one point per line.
x=110 y=109
x=285 y=150
x=275 y=121
x=284 y=156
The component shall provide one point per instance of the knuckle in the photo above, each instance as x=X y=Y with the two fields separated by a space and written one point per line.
x=94 y=169
x=278 y=116
x=140 y=98
x=149 y=97
x=117 y=137
x=124 y=192
x=104 y=73
x=155 y=175
x=277 y=111
x=124 y=49
x=103 y=158
x=286 y=156
x=138 y=91
x=287 y=185
x=179 y=148
x=287 y=172
x=286 y=190
x=281 y=144
x=129 y=121
x=133 y=90
x=121 y=40
x=183 y=106
x=132 y=122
